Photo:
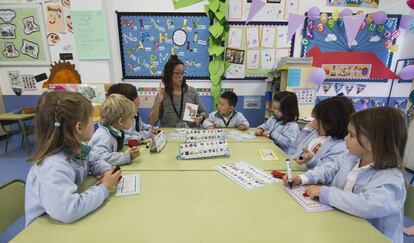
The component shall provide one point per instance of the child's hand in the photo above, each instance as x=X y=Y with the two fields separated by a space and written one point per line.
x=110 y=180
x=210 y=127
x=296 y=181
x=313 y=191
x=134 y=152
x=259 y=132
x=242 y=127
x=305 y=157
x=197 y=119
x=265 y=133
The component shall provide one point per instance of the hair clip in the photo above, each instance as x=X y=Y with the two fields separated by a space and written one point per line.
x=56 y=124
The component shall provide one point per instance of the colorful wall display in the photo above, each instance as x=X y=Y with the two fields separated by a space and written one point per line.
x=22 y=35
x=148 y=39
x=325 y=39
x=254 y=49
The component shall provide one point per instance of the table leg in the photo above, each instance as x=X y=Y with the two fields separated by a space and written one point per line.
x=25 y=136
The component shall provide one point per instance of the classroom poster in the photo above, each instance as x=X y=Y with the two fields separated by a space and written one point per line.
x=22 y=35
x=147 y=40
x=59 y=29
x=91 y=35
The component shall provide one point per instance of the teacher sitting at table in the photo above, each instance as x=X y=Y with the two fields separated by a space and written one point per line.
x=170 y=102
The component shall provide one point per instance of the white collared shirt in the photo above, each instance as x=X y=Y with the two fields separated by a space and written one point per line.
x=353 y=174
x=226 y=119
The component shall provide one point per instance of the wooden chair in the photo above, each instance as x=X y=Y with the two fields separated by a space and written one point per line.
x=11 y=203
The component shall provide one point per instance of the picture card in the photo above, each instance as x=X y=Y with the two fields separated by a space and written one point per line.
x=267 y=154
x=190 y=111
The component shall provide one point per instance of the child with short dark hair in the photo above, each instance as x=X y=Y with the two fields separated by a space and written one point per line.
x=62 y=161
x=139 y=129
x=282 y=127
x=322 y=140
x=117 y=114
x=370 y=182
x=226 y=116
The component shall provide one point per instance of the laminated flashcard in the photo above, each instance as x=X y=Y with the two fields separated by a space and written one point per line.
x=310 y=205
x=246 y=175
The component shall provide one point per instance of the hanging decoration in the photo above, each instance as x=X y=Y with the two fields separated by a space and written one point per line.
x=405 y=21
x=352 y=25
x=216 y=10
x=295 y=20
x=318 y=75
x=255 y=7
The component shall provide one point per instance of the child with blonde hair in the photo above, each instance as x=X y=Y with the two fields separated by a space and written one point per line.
x=61 y=163
x=370 y=182
x=117 y=113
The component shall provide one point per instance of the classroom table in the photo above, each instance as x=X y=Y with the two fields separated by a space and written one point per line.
x=203 y=206
x=166 y=159
x=251 y=131
x=20 y=119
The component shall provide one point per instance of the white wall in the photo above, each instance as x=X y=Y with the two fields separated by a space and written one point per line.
x=104 y=71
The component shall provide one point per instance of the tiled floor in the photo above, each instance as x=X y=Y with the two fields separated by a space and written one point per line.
x=13 y=165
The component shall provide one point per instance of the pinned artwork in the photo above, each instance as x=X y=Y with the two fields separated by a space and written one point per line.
x=62 y=73
x=22 y=35
x=148 y=39
x=234 y=56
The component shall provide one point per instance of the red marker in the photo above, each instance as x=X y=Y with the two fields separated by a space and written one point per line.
x=305 y=194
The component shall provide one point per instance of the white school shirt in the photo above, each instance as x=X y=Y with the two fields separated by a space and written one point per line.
x=353 y=175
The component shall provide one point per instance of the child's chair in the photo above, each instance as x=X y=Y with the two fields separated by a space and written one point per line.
x=11 y=203
x=409 y=202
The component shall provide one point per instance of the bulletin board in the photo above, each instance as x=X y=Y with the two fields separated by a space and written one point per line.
x=299 y=82
x=148 y=39
x=254 y=49
x=330 y=36
x=23 y=35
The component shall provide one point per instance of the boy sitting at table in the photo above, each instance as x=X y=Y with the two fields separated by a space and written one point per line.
x=117 y=114
x=226 y=116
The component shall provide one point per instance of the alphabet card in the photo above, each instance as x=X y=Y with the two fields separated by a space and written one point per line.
x=298 y=193
x=246 y=175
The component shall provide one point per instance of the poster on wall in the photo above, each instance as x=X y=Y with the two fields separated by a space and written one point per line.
x=354 y=3
x=369 y=56
x=272 y=10
x=22 y=35
x=254 y=49
x=59 y=29
x=147 y=40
